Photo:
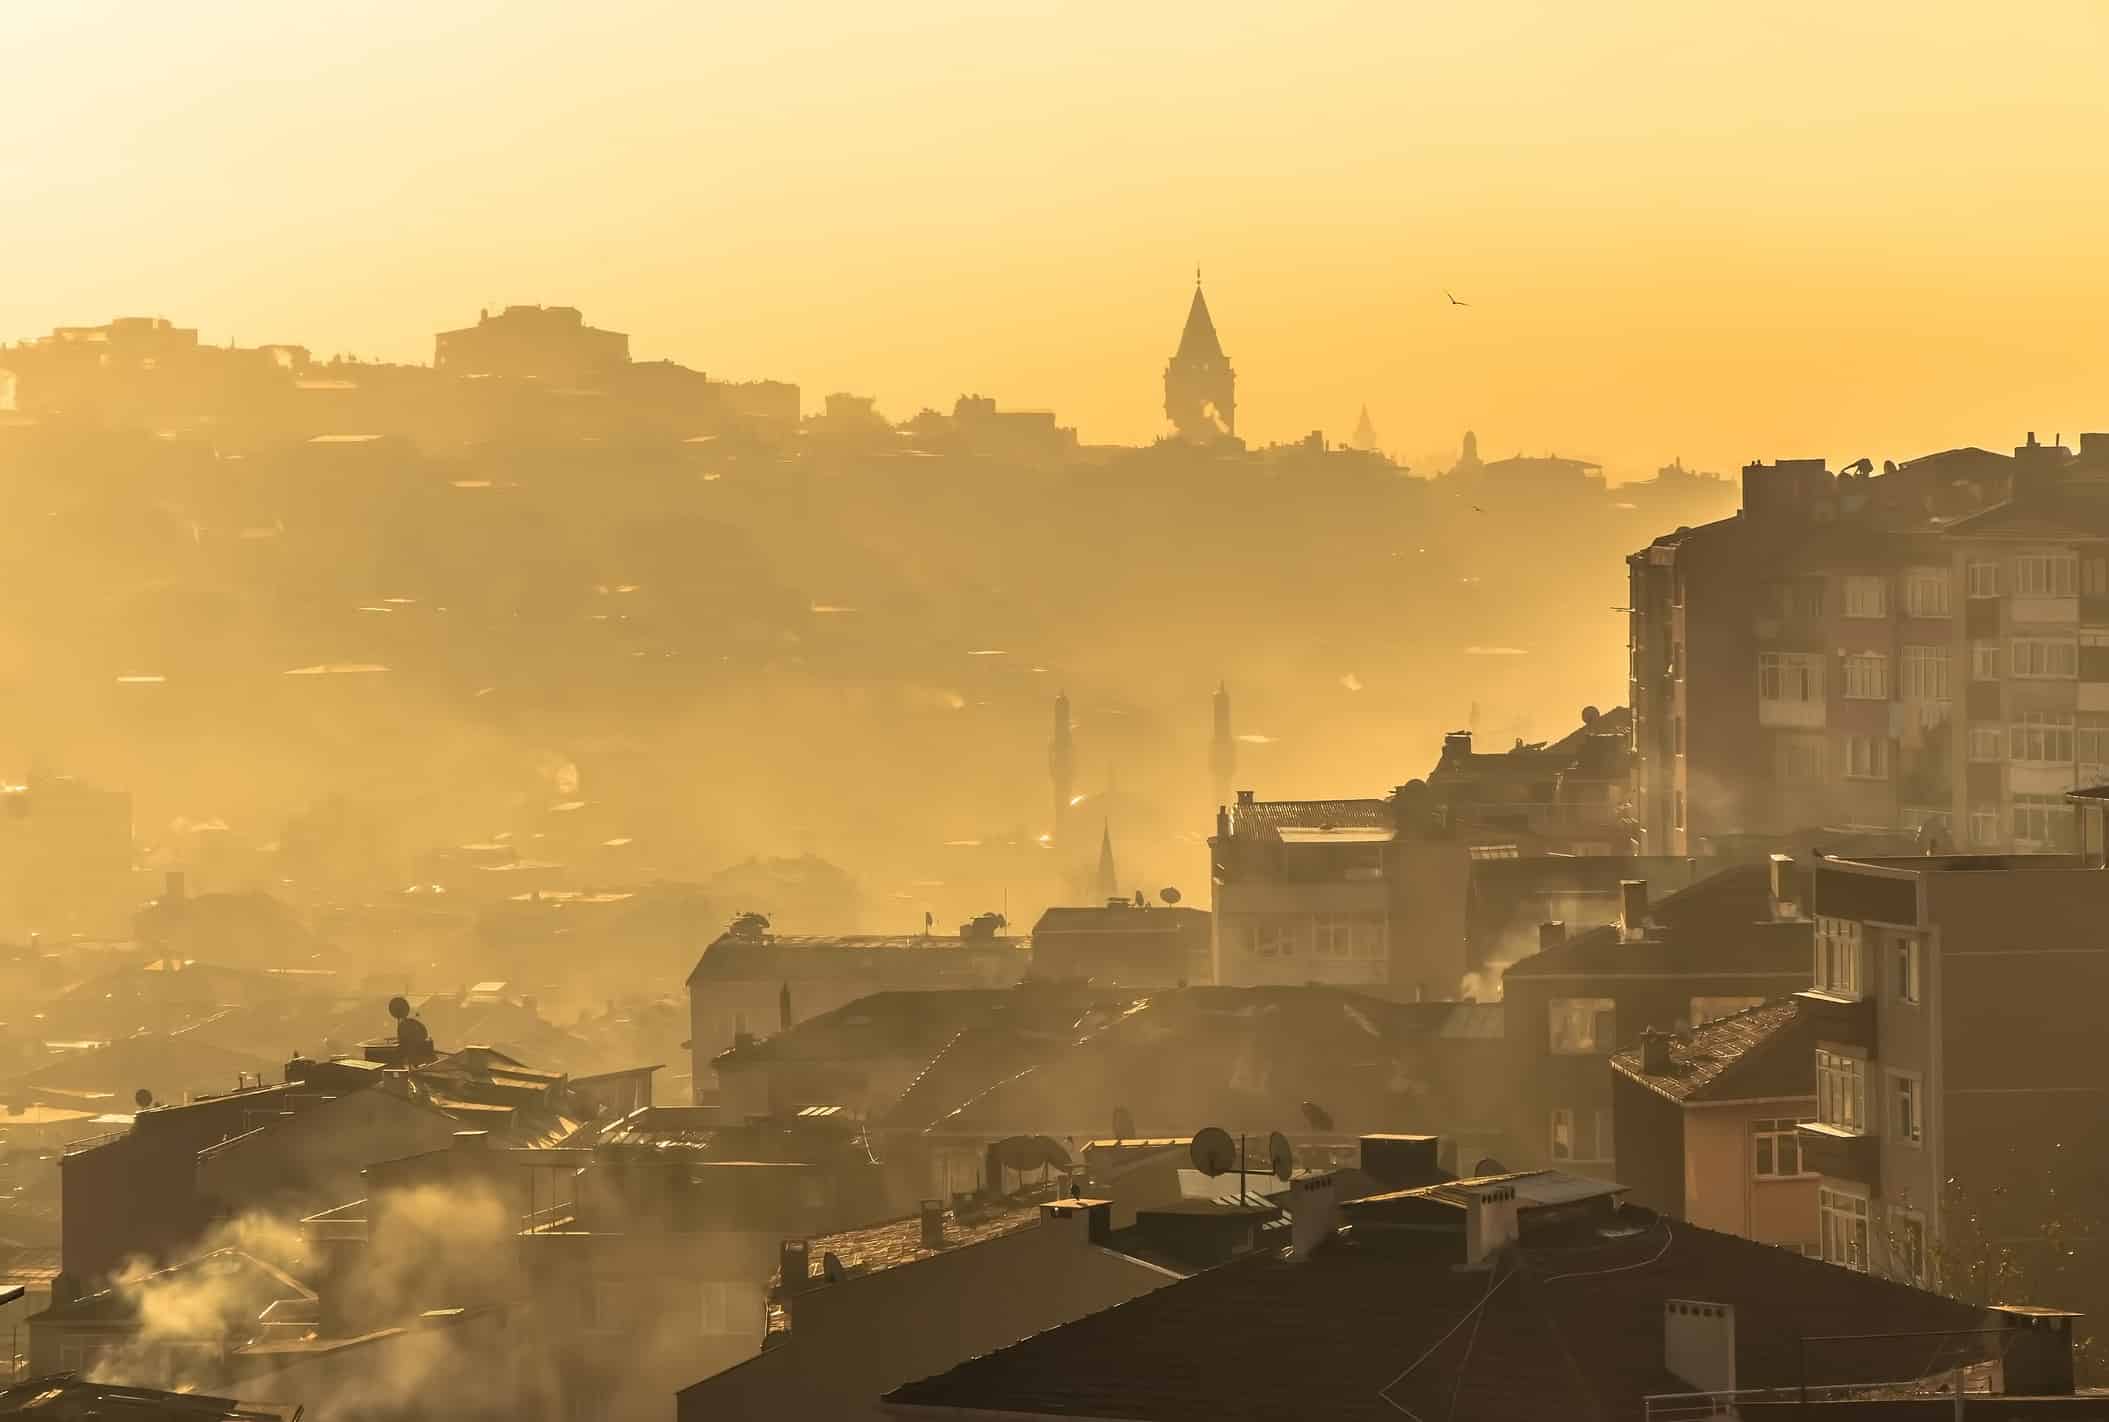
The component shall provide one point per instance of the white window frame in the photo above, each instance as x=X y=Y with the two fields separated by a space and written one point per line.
x=2045 y=821
x=2090 y=743
x=1928 y=592
x=1982 y=578
x=1987 y=743
x=1841 y=1091
x=1773 y=1136
x=1985 y=822
x=1844 y=1217
x=2045 y=658
x=1795 y=677
x=1905 y=1224
x=1840 y=947
x=1905 y=1099
x=1865 y=758
x=1923 y=672
x=2042 y=738
x=2046 y=575
x=1798 y=757
x=1590 y=1026
x=1905 y=964
x=1866 y=596
x=1866 y=676
x=1985 y=662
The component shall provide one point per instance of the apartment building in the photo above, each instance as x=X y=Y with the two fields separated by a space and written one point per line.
x=1955 y=1011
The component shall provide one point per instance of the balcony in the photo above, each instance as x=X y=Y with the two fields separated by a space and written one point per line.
x=1841 y=1021
x=1842 y=1154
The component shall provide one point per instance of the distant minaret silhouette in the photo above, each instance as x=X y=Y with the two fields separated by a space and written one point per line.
x=1061 y=765
x=1223 y=750
x=1365 y=432
x=1108 y=881
x=1200 y=388
x=1469 y=459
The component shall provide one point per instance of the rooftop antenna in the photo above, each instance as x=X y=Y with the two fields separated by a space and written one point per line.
x=1281 y=1157
x=1169 y=894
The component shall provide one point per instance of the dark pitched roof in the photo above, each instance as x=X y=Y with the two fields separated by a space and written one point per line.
x=1317 y=814
x=896 y=1242
x=1198 y=341
x=1122 y=918
x=239 y=1283
x=1761 y=1053
x=1366 y=1329
x=1722 y=924
x=914 y=1021
x=67 y=1397
x=901 y=959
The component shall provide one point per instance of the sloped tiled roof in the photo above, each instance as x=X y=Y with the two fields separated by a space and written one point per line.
x=67 y=1397
x=1364 y=1330
x=1722 y=924
x=901 y=960
x=1761 y=1053
x=1316 y=814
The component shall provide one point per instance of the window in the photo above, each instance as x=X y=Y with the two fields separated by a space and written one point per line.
x=1841 y=1090
x=1778 y=1146
x=2046 y=575
x=1907 y=1245
x=1273 y=936
x=1866 y=758
x=1679 y=802
x=2094 y=654
x=1844 y=1217
x=1983 y=579
x=1796 y=601
x=2094 y=577
x=1984 y=661
x=1866 y=597
x=1866 y=676
x=1593 y=1142
x=1926 y=592
x=2046 y=657
x=1790 y=676
x=1984 y=826
x=1925 y=674
x=1904 y=966
x=1798 y=760
x=1838 y=956
x=2090 y=742
x=1987 y=744
x=1582 y=1025
x=2041 y=738
x=1712 y=1009
x=1907 y=1121
x=2042 y=821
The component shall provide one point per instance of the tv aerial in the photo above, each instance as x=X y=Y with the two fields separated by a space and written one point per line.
x=1169 y=894
x=1281 y=1157
x=1214 y=1152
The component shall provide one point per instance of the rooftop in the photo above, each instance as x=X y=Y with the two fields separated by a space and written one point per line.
x=1761 y=1053
x=1376 y=1329
x=67 y=1397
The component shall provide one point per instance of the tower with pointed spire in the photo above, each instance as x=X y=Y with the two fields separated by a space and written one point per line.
x=1365 y=433
x=1108 y=880
x=1061 y=765
x=1200 y=388
x=1223 y=749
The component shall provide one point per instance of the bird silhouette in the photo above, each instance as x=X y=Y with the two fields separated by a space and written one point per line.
x=1455 y=302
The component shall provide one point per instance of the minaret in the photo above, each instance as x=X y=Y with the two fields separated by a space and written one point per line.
x=1469 y=459
x=1365 y=432
x=1223 y=750
x=1108 y=880
x=1200 y=388
x=1061 y=765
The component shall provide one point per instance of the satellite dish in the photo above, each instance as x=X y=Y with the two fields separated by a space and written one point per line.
x=1320 y=1119
x=398 y=1008
x=1280 y=1156
x=1487 y=1165
x=1123 y=1123
x=142 y=1098
x=1214 y=1152
x=831 y=1268
x=1051 y=1152
x=1169 y=894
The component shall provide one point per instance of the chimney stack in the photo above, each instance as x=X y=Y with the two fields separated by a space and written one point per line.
x=794 y=1268
x=2035 y=1350
x=1551 y=934
x=933 y=1212
x=1633 y=910
x=1222 y=822
x=1655 y=1052
x=1699 y=1343
x=1314 y=1212
x=1490 y=1224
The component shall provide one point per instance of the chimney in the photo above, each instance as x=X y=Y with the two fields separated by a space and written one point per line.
x=1551 y=934
x=2035 y=1350
x=1222 y=822
x=1400 y=1162
x=1457 y=744
x=1632 y=910
x=1790 y=883
x=933 y=1212
x=1490 y=1224
x=1244 y=799
x=1314 y=1212
x=1655 y=1052
x=794 y=1269
x=1699 y=1343
x=783 y=1008
x=472 y=1140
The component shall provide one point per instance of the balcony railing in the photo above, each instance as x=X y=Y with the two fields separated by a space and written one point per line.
x=1841 y=1154
x=1753 y=1402
x=1843 y=1021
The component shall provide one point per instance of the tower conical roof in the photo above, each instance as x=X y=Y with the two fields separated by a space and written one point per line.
x=1108 y=879
x=1198 y=341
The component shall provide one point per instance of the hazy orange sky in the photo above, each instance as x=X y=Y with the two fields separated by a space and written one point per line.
x=1686 y=229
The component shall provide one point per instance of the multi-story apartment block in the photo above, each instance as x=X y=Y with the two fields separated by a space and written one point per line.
x=1956 y=1013
x=1925 y=650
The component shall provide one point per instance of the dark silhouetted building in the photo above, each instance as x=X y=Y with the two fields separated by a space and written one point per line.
x=1200 y=388
x=552 y=344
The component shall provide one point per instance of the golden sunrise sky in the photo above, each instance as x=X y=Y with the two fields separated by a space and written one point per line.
x=1722 y=232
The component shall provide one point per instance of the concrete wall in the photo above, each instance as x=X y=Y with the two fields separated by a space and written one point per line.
x=1721 y=1188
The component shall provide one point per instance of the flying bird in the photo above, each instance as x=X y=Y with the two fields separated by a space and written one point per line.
x=1454 y=301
